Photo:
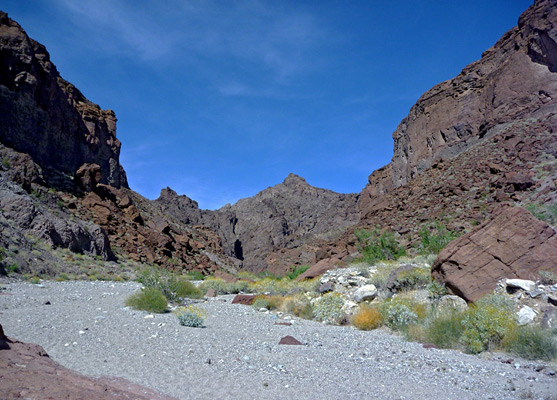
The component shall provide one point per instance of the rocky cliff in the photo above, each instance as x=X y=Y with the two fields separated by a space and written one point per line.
x=46 y=117
x=283 y=216
x=61 y=183
x=513 y=79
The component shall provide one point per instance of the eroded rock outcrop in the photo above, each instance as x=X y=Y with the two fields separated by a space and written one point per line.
x=512 y=80
x=46 y=117
x=514 y=244
x=26 y=371
x=282 y=216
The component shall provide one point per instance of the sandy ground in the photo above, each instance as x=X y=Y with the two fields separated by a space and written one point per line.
x=237 y=356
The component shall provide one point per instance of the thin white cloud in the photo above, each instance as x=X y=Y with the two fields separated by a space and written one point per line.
x=259 y=35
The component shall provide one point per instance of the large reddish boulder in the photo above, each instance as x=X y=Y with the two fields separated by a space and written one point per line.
x=26 y=371
x=319 y=268
x=513 y=244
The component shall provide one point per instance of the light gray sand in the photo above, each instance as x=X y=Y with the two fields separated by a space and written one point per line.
x=236 y=356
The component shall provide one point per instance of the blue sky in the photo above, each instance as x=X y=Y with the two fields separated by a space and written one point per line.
x=221 y=99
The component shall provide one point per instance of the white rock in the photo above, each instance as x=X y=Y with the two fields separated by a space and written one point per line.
x=452 y=302
x=526 y=315
x=149 y=316
x=521 y=284
x=367 y=292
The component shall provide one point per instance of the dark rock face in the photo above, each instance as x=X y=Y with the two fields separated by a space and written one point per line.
x=48 y=118
x=28 y=215
x=285 y=215
x=26 y=371
x=512 y=80
x=290 y=340
x=514 y=244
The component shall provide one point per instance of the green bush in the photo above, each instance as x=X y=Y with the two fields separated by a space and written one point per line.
x=545 y=212
x=434 y=238
x=148 y=299
x=172 y=286
x=328 y=308
x=195 y=276
x=445 y=330
x=415 y=278
x=261 y=303
x=298 y=305
x=297 y=271
x=376 y=246
x=191 y=316
x=398 y=315
x=532 y=343
x=217 y=284
x=486 y=323
x=436 y=290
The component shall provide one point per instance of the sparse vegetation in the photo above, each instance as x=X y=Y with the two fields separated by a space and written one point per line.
x=260 y=303
x=544 y=212
x=531 y=342
x=148 y=299
x=297 y=271
x=486 y=323
x=328 y=309
x=191 y=316
x=376 y=246
x=6 y=163
x=367 y=318
x=172 y=286
x=434 y=238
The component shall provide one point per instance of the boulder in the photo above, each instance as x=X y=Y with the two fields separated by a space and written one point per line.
x=245 y=299
x=365 y=293
x=88 y=176
x=525 y=315
x=290 y=340
x=26 y=371
x=319 y=268
x=513 y=244
x=523 y=284
x=451 y=302
x=211 y=293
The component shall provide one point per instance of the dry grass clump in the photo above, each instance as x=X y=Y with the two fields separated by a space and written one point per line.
x=149 y=299
x=367 y=318
x=299 y=305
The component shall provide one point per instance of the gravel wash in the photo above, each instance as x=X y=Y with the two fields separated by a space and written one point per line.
x=85 y=327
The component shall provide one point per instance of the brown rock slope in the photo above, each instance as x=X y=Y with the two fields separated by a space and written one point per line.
x=482 y=138
x=27 y=372
x=283 y=216
x=514 y=244
x=513 y=79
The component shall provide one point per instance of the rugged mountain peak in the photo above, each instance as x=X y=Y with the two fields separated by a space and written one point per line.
x=294 y=180
x=514 y=78
x=46 y=117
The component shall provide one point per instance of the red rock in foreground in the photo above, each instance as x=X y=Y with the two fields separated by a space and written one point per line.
x=514 y=244
x=27 y=372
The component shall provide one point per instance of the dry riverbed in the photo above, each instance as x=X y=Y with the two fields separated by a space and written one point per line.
x=85 y=327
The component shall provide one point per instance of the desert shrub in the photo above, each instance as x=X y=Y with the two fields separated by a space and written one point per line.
x=297 y=271
x=531 y=342
x=13 y=268
x=217 y=284
x=415 y=278
x=544 y=212
x=6 y=163
x=436 y=290
x=328 y=308
x=191 y=316
x=260 y=303
x=195 y=276
x=434 y=238
x=376 y=246
x=35 y=280
x=284 y=286
x=398 y=315
x=237 y=287
x=171 y=285
x=148 y=299
x=548 y=277
x=486 y=323
x=275 y=302
x=299 y=305
x=367 y=318
x=445 y=330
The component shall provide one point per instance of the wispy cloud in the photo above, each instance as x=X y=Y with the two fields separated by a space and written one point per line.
x=259 y=35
